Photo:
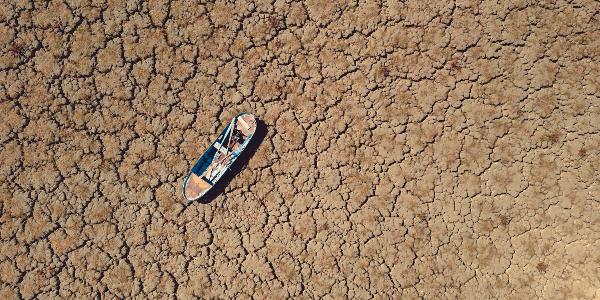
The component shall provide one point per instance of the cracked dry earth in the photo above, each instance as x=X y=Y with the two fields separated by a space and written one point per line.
x=413 y=149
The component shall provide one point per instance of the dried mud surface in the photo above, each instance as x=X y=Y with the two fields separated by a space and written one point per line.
x=442 y=149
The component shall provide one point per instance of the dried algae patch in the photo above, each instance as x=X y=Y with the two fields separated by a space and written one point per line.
x=413 y=149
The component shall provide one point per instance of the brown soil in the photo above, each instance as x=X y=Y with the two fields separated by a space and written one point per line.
x=414 y=149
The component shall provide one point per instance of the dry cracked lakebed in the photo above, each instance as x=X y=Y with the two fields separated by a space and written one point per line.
x=412 y=149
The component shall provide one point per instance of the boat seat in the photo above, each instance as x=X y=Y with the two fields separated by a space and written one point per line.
x=243 y=123
x=222 y=149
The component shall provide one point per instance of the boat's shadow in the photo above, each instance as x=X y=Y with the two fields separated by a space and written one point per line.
x=239 y=165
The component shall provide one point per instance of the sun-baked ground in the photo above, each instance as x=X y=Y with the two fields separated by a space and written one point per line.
x=436 y=149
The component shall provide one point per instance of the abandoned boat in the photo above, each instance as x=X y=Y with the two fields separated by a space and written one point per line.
x=219 y=156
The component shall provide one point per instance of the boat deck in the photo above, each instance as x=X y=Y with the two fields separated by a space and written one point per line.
x=196 y=186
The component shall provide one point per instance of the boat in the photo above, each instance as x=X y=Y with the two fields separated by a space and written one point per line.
x=219 y=157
